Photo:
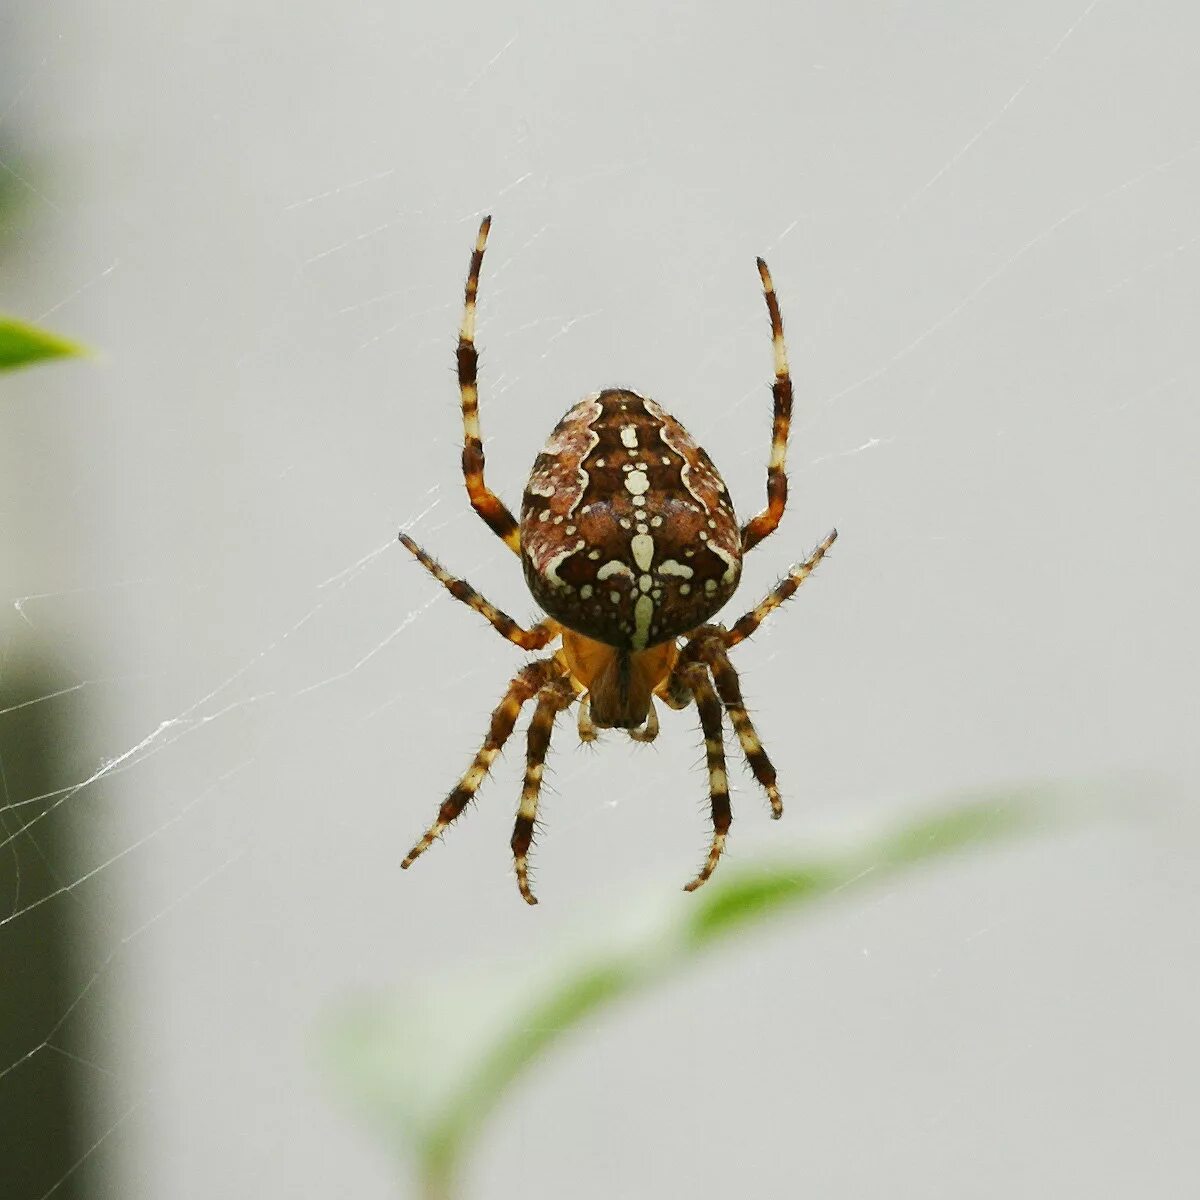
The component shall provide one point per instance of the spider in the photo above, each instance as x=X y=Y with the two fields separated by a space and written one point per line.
x=629 y=543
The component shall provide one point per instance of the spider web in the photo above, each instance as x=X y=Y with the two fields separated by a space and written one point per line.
x=230 y=703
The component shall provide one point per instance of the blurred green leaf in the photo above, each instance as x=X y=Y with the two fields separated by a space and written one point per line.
x=22 y=344
x=427 y=1069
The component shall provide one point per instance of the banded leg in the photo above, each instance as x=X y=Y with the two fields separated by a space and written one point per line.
x=552 y=699
x=764 y=523
x=718 y=780
x=729 y=689
x=485 y=502
x=526 y=684
x=784 y=590
x=534 y=638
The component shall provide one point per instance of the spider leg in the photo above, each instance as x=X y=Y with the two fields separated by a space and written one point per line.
x=524 y=685
x=764 y=523
x=718 y=781
x=534 y=638
x=552 y=699
x=785 y=589
x=649 y=731
x=709 y=647
x=484 y=501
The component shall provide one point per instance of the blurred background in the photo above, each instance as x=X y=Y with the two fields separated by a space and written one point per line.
x=229 y=702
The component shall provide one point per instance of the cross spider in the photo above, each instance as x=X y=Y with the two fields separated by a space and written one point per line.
x=629 y=542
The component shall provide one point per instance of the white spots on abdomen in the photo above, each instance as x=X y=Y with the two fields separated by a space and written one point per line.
x=671 y=567
x=643 y=611
x=637 y=483
x=641 y=546
x=614 y=566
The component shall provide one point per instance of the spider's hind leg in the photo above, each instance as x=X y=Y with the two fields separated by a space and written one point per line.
x=526 y=684
x=711 y=649
x=552 y=699
x=718 y=782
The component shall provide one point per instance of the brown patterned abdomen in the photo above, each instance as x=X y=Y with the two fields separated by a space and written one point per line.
x=628 y=535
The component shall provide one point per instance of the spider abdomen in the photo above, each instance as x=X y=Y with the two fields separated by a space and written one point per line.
x=628 y=535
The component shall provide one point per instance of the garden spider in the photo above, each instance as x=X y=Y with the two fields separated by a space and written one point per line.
x=629 y=542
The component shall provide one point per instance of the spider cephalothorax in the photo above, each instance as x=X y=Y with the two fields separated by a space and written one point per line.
x=629 y=541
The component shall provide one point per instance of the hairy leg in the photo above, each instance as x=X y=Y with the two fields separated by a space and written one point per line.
x=483 y=500
x=534 y=638
x=784 y=590
x=552 y=699
x=718 y=780
x=764 y=524
x=526 y=684
x=709 y=649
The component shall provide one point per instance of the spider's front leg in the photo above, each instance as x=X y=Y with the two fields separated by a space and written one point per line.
x=524 y=686
x=765 y=523
x=552 y=699
x=483 y=500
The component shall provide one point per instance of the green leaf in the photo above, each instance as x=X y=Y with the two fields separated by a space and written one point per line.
x=22 y=344
x=426 y=1069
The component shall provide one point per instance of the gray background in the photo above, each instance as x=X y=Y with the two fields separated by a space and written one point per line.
x=982 y=221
